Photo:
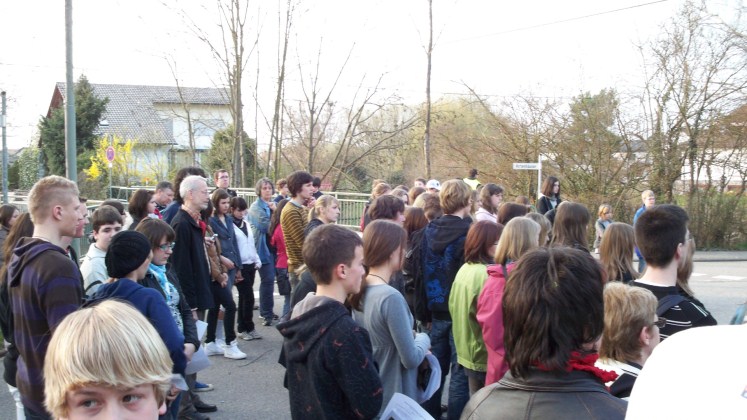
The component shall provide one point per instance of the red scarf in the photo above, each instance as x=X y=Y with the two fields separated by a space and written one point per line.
x=585 y=363
x=197 y=218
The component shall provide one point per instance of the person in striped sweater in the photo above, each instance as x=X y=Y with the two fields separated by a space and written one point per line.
x=293 y=220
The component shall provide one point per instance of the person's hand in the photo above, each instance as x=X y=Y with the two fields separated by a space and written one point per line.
x=224 y=280
x=228 y=263
x=194 y=315
x=272 y=205
x=210 y=242
x=172 y=394
x=258 y=265
x=189 y=351
x=239 y=278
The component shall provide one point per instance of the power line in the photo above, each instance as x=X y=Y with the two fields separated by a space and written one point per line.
x=525 y=28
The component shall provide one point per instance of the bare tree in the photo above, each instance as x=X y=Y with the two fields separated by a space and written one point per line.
x=276 y=129
x=429 y=54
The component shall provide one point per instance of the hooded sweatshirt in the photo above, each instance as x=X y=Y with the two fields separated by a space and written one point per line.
x=490 y=318
x=152 y=305
x=45 y=286
x=443 y=256
x=330 y=370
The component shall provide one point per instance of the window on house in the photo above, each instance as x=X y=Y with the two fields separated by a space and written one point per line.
x=207 y=127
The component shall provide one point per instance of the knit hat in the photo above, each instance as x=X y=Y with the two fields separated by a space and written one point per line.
x=127 y=251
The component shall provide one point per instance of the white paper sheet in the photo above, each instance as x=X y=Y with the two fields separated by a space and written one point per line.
x=401 y=407
x=199 y=360
x=433 y=383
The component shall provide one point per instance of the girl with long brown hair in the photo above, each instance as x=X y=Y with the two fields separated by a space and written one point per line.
x=383 y=312
x=616 y=252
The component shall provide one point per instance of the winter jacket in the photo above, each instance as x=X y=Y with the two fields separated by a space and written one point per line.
x=443 y=256
x=482 y=214
x=330 y=370
x=470 y=347
x=278 y=241
x=490 y=318
x=151 y=304
x=93 y=269
x=228 y=245
x=575 y=395
x=45 y=286
x=544 y=205
x=259 y=220
x=190 y=261
x=189 y=329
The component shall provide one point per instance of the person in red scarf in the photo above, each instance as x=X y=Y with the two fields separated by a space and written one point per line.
x=553 y=316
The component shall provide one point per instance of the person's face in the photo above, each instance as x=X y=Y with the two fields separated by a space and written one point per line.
x=70 y=217
x=433 y=190
x=223 y=180
x=164 y=197
x=496 y=199
x=104 y=402
x=238 y=214
x=162 y=252
x=223 y=205
x=493 y=247
x=284 y=191
x=143 y=269
x=555 y=187
x=83 y=221
x=307 y=191
x=152 y=205
x=104 y=235
x=418 y=184
x=331 y=213
x=200 y=195
x=355 y=272
x=13 y=218
x=399 y=219
x=650 y=201
x=607 y=215
x=266 y=192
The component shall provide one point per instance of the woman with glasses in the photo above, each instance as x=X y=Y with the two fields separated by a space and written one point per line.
x=631 y=331
x=605 y=219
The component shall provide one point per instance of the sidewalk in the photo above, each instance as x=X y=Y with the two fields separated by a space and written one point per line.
x=715 y=256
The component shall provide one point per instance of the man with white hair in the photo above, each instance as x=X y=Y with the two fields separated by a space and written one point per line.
x=190 y=262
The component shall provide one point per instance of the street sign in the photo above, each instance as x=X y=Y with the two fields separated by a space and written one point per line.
x=110 y=154
x=527 y=166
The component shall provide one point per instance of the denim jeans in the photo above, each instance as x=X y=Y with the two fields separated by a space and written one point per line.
x=245 y=309
x=266 y=290
x=442 y=346
x=222 y=296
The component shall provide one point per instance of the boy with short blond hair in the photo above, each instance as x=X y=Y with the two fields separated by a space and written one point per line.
x=44 y=284
x=330 y=371
x=138 y=364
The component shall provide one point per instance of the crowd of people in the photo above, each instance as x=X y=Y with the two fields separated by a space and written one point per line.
x=509 y=301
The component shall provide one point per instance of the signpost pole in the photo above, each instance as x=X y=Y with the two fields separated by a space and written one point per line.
x=110 y=158
x=539 y=177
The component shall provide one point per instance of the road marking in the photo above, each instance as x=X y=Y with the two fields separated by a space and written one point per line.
x=698 y=274
x=733 y=278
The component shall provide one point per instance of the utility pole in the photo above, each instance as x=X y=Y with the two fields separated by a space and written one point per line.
x=70 y=136
x=3 y=123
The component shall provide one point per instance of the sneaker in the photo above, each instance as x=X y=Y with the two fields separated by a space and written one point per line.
x=266 y=322
x=201 y=387
x=231 y=351
x=221 y=341
x=213 y=349
x=249 y=335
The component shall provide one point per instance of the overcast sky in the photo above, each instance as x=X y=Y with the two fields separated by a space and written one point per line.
x=500 y=48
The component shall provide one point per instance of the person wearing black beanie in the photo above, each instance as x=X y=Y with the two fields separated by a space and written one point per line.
x=127 y=261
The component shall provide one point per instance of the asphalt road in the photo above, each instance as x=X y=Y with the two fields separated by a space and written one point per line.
x=253 y=388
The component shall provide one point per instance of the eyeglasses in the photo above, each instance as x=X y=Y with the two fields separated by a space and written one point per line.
x=660 y=323
x=167 y=246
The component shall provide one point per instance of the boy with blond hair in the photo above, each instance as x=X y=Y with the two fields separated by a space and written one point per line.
x=135 y=381
x=442 y=256
x=44 y=284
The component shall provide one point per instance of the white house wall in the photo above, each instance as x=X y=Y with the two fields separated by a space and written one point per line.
x=206 y=119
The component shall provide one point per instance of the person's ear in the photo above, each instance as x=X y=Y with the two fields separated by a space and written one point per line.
x=162 y=408
x=340 y=271
x=57 y=212
x=644 y=337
